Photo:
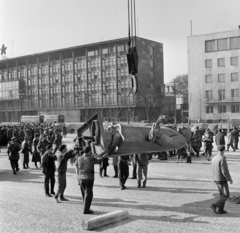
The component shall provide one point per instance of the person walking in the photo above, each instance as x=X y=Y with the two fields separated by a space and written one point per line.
x=230 y=140
x=85 y=168
x=25 y=150
x=36 y=155
x=220 y=138
x=142 y=169
x=208 y=141
x=221 y=177
x=48 y=169
x=197 y=141
x=62 y=169
x=13 y=154
x=235 y=134
x=123 y=170
x=57 y=141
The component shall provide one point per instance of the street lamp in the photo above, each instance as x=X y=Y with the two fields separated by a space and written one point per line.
x=21 y=96
x=85 y=92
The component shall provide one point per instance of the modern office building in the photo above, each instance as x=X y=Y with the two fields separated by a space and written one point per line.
x=213 y=71
x=79 y=81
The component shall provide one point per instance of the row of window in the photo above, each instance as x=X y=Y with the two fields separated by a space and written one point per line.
x=222 y=78
x=222 y=44
x=221 y=94
x=222 y=109
x=221 y=62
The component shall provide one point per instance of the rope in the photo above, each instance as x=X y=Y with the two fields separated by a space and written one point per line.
x=123 y=105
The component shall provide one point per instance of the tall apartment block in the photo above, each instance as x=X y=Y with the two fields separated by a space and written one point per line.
x=213 y=71
x=80 y=81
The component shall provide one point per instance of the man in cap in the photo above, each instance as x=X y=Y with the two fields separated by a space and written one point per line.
x=62 y=169
x=85 y=165
x=221 y=176
x=13 y=154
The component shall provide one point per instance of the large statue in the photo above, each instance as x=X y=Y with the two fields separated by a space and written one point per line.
x=126 y=139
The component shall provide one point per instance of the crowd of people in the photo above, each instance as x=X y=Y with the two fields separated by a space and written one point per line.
x=43 y=141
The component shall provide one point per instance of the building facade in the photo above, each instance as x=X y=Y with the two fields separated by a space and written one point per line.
x=80 y=81
x=213 y=71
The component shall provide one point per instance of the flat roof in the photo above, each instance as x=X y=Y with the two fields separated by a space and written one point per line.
x=74 y=47
x=213 y=33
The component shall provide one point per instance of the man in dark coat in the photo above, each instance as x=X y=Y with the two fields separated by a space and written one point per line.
x=48 y=169
x=235 y=134
x=57 y=141
x=219 y=138
x=13 y=154
x=62 y=169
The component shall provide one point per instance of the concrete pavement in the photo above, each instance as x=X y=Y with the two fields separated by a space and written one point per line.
x=176 y=199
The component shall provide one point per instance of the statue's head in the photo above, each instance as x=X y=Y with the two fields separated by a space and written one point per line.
x=186 y=132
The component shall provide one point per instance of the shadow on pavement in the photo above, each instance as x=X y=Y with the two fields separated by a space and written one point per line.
x=199 y=209
x=169 y=179
x=162 y=189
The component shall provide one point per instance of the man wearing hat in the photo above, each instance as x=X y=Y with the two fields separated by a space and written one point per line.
x=13 y=154
x=85 y=164
x=221 y=176
x=42 y=144
x=62 y=169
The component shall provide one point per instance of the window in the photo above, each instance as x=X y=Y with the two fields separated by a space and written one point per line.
x=105 y=51
x=209 y=109
x=209 y=95
x=221 y=78
x=222 y=44
x=221 y=108
x=208 y=63
x=235 y=42
x=234 y=61
x=235 y=108
x=234 y=77
x=221 y=94
x=221 y=62
x=209 y=78
x=235 y=93
x=210 y=46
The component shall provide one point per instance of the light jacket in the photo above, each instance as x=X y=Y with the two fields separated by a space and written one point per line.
x=220 y=168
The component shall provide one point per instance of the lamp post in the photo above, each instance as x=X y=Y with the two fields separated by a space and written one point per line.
x=21 y=96
x=85 y=91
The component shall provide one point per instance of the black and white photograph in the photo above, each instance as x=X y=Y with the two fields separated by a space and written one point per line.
x=119 y=116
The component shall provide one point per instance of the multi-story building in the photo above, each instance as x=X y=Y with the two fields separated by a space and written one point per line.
x=213 y=71
x=79 y=81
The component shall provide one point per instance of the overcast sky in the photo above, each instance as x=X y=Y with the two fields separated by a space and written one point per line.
x=35 y=26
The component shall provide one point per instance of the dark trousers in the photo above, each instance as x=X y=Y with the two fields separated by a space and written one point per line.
x=230 y=144
x=134 y=173
x=123 y=173
x=86 y=187
x=116 y=170
x=236 y=145
x=101 y=169
x=224 y=194
x=50 y=176
x=62 y=184
x=196 y=149
x=14 y=164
